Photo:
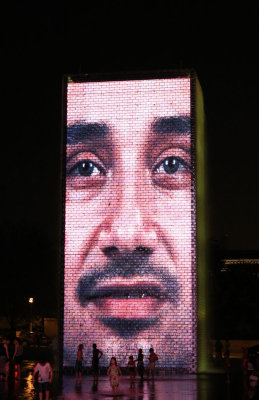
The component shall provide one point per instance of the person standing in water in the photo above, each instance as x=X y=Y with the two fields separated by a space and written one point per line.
x=97 y=354
x=140 y=364
x=113 y=372
x=152 y=362
x=132 y=368
x=79 y=364
x=44 y=372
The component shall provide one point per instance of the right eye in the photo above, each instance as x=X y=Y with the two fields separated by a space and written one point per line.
x=86 y=168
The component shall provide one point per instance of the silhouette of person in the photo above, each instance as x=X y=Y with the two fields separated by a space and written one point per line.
x=97 y=354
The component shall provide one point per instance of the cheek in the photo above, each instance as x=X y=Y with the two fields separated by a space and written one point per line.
x=80 y=191
x=82 y=211
x=76 y=234
x=174 y=215
x=80 y=220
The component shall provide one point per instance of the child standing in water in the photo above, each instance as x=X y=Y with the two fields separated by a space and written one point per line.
x=113 y=372
x=152 y=362
x=132 y=368
x=79 y=363
x=44 y=372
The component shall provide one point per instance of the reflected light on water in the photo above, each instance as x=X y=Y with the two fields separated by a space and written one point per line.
x=177 y=387
x=29 y=389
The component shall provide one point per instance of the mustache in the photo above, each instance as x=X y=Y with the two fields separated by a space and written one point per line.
x=128 y=265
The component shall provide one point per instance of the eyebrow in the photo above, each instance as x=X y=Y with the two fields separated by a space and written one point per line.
x=82 y=131
x=165 y=125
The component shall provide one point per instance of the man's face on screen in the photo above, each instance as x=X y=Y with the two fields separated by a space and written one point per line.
x=128 y=215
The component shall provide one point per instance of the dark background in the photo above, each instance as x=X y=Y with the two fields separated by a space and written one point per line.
x=41 y=41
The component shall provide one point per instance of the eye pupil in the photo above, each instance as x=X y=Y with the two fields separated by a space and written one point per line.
x=171 y=165
x=86 y=168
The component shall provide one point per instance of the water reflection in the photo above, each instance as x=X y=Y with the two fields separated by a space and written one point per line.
x=78 y=387
x=177 y=387
x=173 y=388
x=95 y=387
x=151 y=387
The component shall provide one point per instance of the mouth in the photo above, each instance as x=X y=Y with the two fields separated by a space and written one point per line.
x=126 y=292
x=123 y=289
x=122 y=298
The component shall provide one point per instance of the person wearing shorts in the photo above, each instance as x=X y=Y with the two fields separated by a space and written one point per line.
x=44 y=372
x=152 y=363
x=79 y=363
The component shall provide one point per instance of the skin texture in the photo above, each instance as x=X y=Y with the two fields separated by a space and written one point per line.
x=128 y=224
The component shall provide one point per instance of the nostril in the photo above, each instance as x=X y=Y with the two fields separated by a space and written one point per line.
x=144 y=250
x=111 y=251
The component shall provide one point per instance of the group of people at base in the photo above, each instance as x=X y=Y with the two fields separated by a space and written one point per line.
x=114 y=370
x=97 y=354
x=42 y=372
x=6 y=358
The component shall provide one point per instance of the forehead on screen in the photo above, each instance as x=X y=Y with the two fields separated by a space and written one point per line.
x=139 y=99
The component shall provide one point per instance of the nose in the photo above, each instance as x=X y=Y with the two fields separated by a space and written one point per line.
x=129 y=227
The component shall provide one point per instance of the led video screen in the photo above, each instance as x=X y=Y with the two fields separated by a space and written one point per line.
x=129 y=247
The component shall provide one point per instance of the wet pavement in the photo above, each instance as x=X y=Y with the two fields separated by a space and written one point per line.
x=176 y=387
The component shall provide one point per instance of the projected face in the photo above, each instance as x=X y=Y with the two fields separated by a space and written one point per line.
x=128 y=229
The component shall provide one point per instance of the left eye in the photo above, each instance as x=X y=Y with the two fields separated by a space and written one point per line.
x=86 y=168
x=171 y=165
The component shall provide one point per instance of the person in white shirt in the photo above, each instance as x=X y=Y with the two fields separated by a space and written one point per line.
x=44 y=371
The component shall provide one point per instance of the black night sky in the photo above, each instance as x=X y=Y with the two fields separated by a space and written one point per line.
x=41 y=41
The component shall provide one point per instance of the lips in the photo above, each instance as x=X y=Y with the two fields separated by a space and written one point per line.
x=127 y=298
x=137 y=287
